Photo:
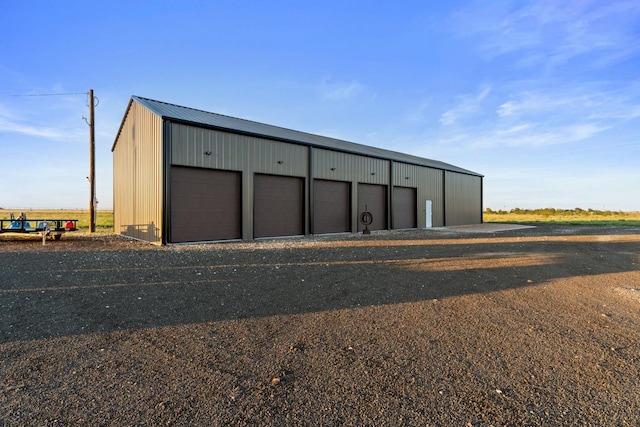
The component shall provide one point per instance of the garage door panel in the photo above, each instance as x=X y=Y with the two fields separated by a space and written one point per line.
x=331 y=206
x=404 y=208
x=278 y=206
x=205 y=204
x=373 y=198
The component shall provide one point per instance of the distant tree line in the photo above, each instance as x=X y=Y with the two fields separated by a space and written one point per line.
x=552 y=211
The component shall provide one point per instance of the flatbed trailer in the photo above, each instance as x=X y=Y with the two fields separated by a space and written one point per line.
x=47 y=228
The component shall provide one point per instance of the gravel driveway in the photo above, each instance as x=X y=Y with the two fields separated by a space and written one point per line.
x=536 y=326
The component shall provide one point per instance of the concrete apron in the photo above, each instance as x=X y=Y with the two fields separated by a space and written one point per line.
x=486 y=228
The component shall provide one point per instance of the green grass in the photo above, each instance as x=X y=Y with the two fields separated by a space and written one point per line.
x=563 y=216
x=104 y=218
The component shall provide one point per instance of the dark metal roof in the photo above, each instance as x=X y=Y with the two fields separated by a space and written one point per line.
x=203 y=118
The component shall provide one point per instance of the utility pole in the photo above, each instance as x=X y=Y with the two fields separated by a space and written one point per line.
x=92 y=164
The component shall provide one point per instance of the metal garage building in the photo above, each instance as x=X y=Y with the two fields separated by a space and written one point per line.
x=186 y=175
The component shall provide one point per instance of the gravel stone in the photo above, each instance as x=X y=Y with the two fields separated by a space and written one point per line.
x=534 y=326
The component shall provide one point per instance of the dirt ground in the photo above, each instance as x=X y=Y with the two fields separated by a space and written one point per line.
x=536 y=326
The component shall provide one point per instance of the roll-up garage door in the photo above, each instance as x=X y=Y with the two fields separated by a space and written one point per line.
x=205 y=204
x=374 y=199
x=331 y=206
x=278 y=206
x=404 y=207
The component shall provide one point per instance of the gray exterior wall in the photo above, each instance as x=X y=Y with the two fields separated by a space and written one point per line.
x=428 y=182
x=349 y=167
x=463 y=203
x=250 y=155
x=337 y=166
x=138 y=176
x=148 y=144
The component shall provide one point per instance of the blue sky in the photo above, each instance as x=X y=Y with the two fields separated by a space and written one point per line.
x=541 y=97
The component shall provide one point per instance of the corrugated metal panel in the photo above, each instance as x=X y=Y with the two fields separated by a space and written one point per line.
x=235 y=144
x=406 y=175
x=137 y=177
x=337 y=166
x=213 y=149
x=216 y=149
x=428 y=182
x=204 y=118
x=463 y=199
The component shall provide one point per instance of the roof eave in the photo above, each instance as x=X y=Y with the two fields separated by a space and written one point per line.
x=385 y=154
x=124 y=118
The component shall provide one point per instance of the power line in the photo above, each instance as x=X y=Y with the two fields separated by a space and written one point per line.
x=51 y=94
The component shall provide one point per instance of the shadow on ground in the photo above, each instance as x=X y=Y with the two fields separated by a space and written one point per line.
x=52 y=293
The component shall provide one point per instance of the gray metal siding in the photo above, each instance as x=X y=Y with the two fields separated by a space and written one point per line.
x=154 y=136
x=178 y=113
x=214 y=149
x=463 y=199
x=206 y=148
x=138 y=176
x=428 y=182
x=337 y=166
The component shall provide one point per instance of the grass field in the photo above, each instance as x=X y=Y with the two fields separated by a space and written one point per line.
x=104 y=218
x=563 y=216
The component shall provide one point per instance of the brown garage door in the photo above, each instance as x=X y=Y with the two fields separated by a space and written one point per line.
x=205 y=205
x=278 y=206
x=404 y=207
x=374 y=199
x=331 y=206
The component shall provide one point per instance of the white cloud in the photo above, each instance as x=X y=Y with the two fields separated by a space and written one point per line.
x=6 y=113
x=550 y=32
x=617 y=111
x=531 y=103
x=514 y=130
x=588 y=101
x=556 y=115
x=418 y=114
x=45 y=121
x=341 y=91
x=525 y=135
x=7 y=126
x=467 y=105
